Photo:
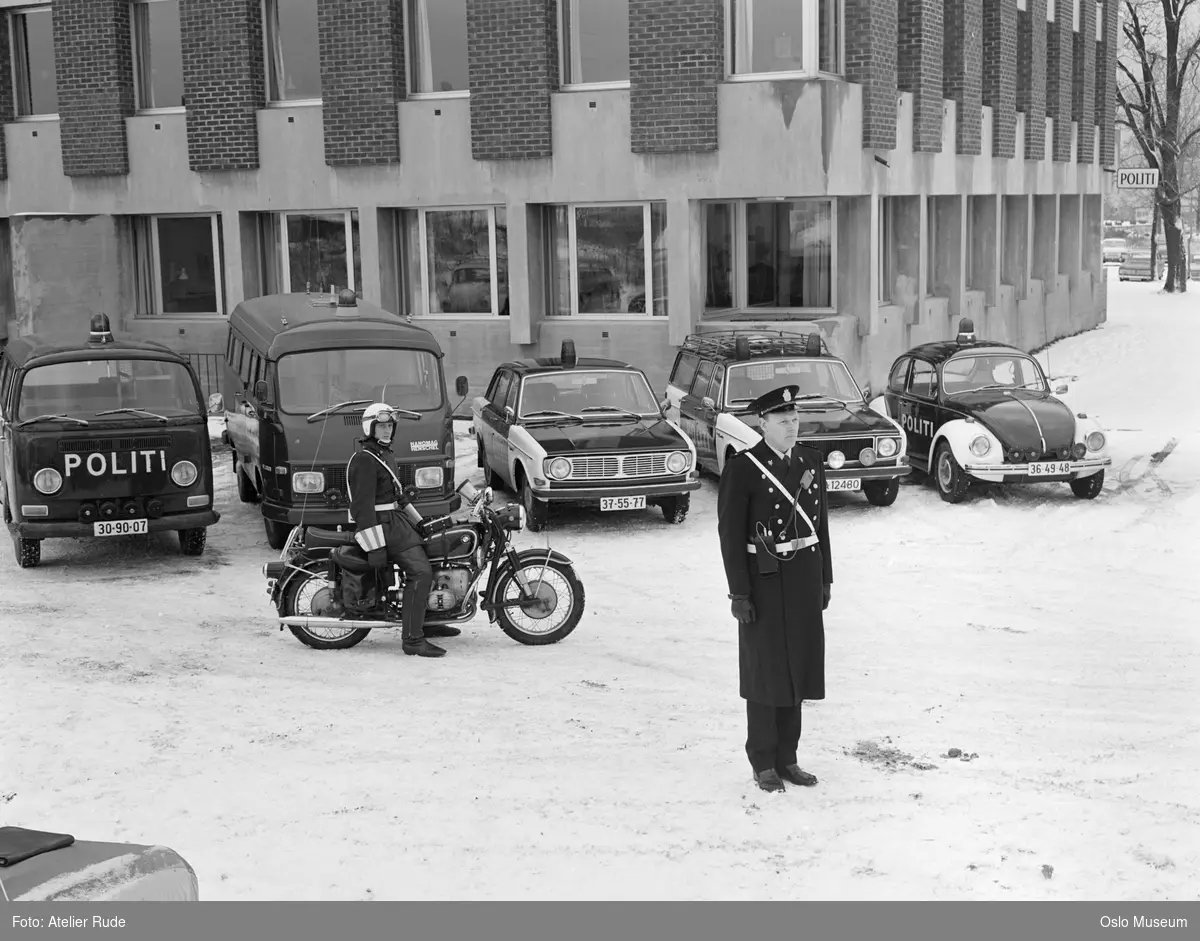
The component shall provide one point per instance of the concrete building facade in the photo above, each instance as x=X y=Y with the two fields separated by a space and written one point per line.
x=512 y=173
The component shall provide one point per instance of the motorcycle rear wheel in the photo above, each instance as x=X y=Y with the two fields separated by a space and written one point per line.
x=310 y=596
x=557 y=610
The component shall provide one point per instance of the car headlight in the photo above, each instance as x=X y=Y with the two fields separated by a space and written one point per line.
x=1095 y=441
x=836 y=459
x=677 y=462
x=559 y=468
x=47 y=480
x=428 y=477
x=184 y=473
x=1079 y=451
x=888 y=447
x=980 y=445
x=867 y=457
x=308 y=482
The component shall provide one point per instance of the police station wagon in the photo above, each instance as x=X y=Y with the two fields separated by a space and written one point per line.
x=102 y=438
x=717 y=375
x=584 y=431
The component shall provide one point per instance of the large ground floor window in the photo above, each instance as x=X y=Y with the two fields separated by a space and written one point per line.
x=606 y=260
x=453 y=261
x=770 y=255
x=178 y=265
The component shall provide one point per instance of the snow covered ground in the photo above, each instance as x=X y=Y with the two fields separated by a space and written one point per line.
x=151 y=698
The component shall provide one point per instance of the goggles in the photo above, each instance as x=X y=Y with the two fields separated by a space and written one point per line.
x=385 y=417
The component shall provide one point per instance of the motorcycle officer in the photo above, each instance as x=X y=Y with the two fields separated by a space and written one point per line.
x=386 y=527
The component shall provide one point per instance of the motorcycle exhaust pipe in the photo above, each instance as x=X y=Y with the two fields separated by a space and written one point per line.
x=303 y=621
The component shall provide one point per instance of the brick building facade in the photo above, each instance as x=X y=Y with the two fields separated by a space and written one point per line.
x=509 y=177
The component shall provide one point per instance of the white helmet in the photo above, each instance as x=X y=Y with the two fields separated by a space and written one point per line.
x=379 y=413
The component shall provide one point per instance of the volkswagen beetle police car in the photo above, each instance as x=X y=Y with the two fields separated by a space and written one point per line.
x=981 y=411
x=717 y=375
x=583 y=431
x=102 y=438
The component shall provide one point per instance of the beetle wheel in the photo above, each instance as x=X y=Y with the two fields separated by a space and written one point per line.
x=950 y=478
x=1088 y=488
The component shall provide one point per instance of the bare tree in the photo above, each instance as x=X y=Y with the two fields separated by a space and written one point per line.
x=1156 y=91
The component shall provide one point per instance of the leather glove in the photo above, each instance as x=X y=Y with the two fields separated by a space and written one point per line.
x=827 y=593
x=743 y=609
x=377 y=558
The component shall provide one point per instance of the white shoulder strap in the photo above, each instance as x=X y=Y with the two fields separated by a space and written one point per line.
x=795 y=497
x=384 y=465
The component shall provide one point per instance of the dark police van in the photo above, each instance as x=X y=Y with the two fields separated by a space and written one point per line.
x=300 y=370
x=105 y=437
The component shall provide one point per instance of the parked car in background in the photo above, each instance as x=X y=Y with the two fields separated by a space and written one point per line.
x=717 y=375
x=980 y=411
x=584 y=431
x=1136 y=267
x=1115 y=250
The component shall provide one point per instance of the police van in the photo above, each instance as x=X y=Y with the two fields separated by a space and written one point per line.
x=104 y=437
x=300 y=369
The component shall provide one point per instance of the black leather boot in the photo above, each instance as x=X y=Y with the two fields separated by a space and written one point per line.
x=769 y=780
x=441 y=630
x=422 y=648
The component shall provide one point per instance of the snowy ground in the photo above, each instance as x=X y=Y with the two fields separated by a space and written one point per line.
x=152 y=699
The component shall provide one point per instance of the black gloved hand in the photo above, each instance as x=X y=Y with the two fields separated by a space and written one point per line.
x=743 y=609
x=827 y=592
x=377 y=558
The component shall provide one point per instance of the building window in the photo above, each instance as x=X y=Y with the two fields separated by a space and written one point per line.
x=437 y=46
x=607 y=260
x=452 y=261
x=292 y=50
x=35 y=83
x=178 y=265
x=931 y=246
x=784 y=37
x=885 y=266
x=770 y=255
x=319 y=251
x=157 y=54
x=594 y=42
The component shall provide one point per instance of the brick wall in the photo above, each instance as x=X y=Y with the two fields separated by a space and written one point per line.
x=676 y=60
x=919 y=69
x=224 y=83
x=1000 y=73
x=1083 y=83
x=1060 y=47
x=962 y=71
x=513 y=51
x=1031 y=76
x=1106 y=87
x=871 y=34
x=93 y=52
x=362 y=80
x=7 y=104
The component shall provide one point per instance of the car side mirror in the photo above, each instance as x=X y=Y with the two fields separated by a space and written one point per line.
x=866 y=391
x=509 y=415
x=707 y=402
x=1061 y=389
x=216 y=403
x=461 y=386
x=262 y=393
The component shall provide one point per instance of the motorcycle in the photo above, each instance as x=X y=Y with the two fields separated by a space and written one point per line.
x=322 y=577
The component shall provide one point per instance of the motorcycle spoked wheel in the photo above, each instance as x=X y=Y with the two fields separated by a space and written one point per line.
x=311 y=596
x=553 y=613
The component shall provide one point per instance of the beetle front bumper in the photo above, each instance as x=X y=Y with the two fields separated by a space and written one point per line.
x=594 y=493
x=29 y=529
x=1019 y=473
x=874 y=472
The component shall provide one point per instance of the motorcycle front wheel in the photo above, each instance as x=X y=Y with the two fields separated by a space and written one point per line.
x=555 y=609
x=310 y=596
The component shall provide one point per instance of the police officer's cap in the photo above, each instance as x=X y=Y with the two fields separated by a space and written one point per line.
x=782 y=399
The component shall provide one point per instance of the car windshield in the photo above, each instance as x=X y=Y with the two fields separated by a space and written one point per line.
x=588 y=391
x=991 y=371
x=309 y=382
x=82 y=388
x=1114 y=243
x=823 y=377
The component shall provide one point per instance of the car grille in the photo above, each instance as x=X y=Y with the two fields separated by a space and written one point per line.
x=614 y=467
x=114 y=444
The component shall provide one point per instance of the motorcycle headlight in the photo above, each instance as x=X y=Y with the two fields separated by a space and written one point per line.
x=836 y=459
x=47 y=480
x=308 y=482
x=1095 y=441
x=184 y=473
x=888 y=447
x=867 y=457
x=980 y=445
x=559 y=468
x=677 y=462
x=512 y=517
x=428 y=477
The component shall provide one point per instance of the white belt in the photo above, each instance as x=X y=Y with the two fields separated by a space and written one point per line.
x=788 y=546
x=383 y=507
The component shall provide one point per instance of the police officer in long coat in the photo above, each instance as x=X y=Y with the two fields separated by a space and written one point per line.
x=384 y=531
x=774 y=531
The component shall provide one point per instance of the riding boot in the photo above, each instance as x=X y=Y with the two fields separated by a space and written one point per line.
x=422 y=648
